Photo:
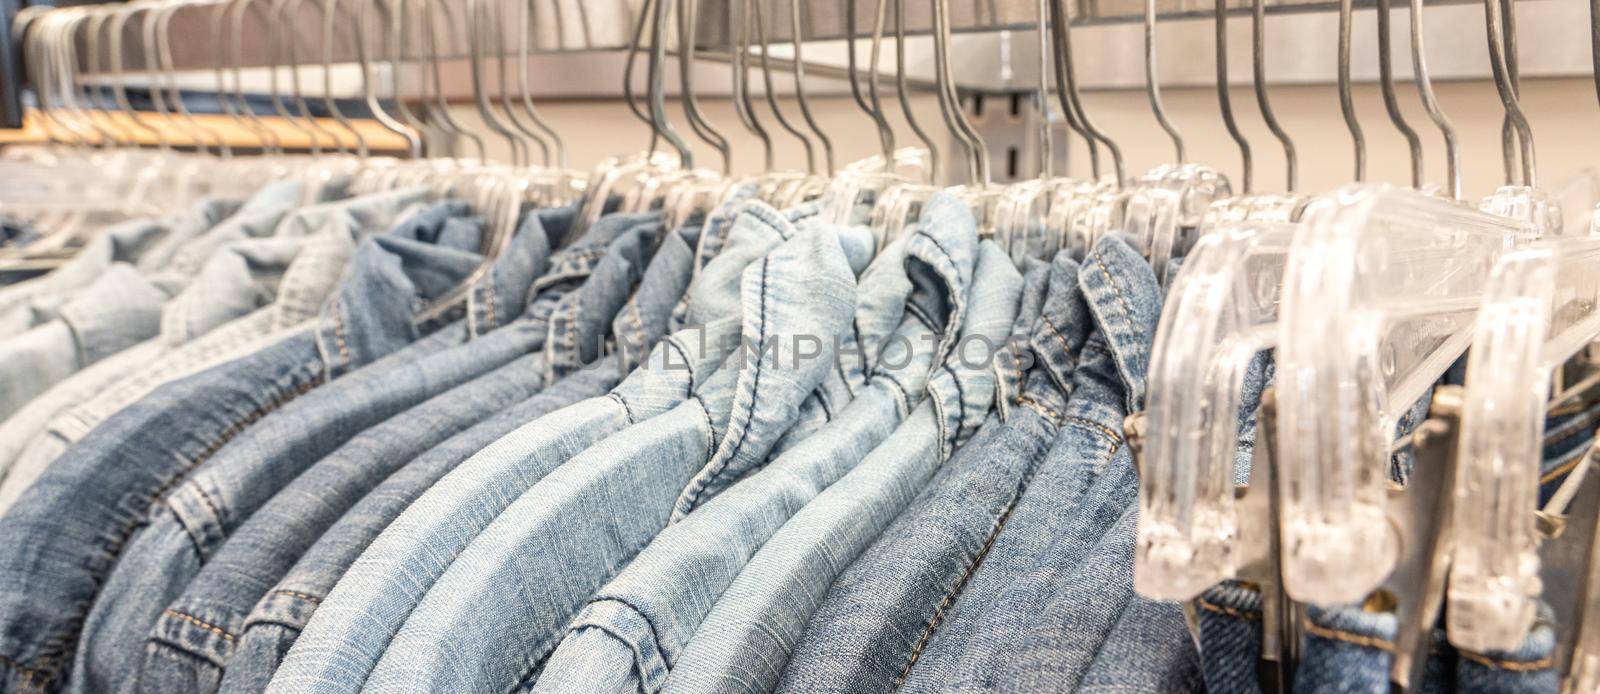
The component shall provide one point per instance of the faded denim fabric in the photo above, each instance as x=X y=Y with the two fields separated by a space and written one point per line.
x=1077 y=492
x=179 y=253
x=240 y=278
x=37 y=301
x=84 y=508
x=747 y=636
x=120 y=309
x=223 y=592
x=350 y=630
x=523 y=578
x=198 y=517
x=880 y=611
x=1230 y=637
x=335 y=230
x=673 y=582
x=277 y=619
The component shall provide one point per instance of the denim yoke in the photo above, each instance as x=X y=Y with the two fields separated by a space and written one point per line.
x=86 y=506
x=350 y=629
x=37 y=301
x=231 y=582
x=310 y=279
x=199 y=515
x=570 y=533
x=881 y=611
x=282 y=612
x=751 y=629
x=673 y=582
x=1068 y=618
x=238 y=279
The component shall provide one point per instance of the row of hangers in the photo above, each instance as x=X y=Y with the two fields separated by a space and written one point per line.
x=1366 y=295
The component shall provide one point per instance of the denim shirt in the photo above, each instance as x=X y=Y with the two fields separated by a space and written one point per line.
x=238 y=279
x=676 y=578
x=222 y=593
x=307 y=283
x=193 y=521
x=1077 y=492
x=349 y=631
x=78 y=516
x=754 y=625
x=614 y=497
x=282 y=612
x=879 y=612
x=120 y=309
x=37 y=301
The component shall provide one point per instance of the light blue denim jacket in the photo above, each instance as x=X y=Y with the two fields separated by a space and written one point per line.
x=350 y=630
x=37 y=301
x=240 y=277
x=674 y=580
x=79 y=515
x=615 y=496
x=753 y=626
x=331 y=233
x=276 y=621
x=199 y=516
x=223 y=591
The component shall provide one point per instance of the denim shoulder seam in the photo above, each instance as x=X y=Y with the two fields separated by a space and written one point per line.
x=298 y=595
x=1113 y=440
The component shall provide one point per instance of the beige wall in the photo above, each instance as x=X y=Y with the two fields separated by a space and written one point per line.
x=1563 y=114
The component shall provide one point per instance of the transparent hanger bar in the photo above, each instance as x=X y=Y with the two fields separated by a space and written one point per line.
x=1220 y=312
x=1541 y=308
x=1381 y=289
x=1166 y=208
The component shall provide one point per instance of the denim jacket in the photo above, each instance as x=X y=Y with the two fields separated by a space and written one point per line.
x=615 y=496
x=81 y=512
x=674 y=580
x=277 y=619
x=350 y=630
x=309 y=280
x=241 y=571
x=754 y=625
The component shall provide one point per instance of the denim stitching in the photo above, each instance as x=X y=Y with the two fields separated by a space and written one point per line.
x=34 y=677
x=1114 y=439
x=338 y=333
x=219 y=631
x=544 y=644
x=1230 y=611
x=1347 y=637
x=1044 y=410
x=293 y=594
x=1512 y=665
x=755 y=388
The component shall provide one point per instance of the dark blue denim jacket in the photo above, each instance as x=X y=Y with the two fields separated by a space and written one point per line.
x=80 y=514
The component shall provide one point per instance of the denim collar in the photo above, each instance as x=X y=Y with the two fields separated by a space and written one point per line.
x=240 y=277
x=391 y=278
x=964 y=387
x=580 y=323
x=1122 y=293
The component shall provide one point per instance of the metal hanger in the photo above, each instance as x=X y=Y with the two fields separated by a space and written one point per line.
x=1061 y=28
x=369 y=90
x=1347 y=104
x=555 y=140
x=903 y=90
x=739 y=31
x=687 y=21
x=480 y=90
x=285 y=40
x=330 y=15
x=873 y=110
x=797 y=39
x=1447 y=130
x=1224 y=98
x=760 y=20
x=1502 y=41
x=1258 y=63
x=950 y=102
x=1390 y=102
x=494 y=14
x=1152 y=82
x=230 y=97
